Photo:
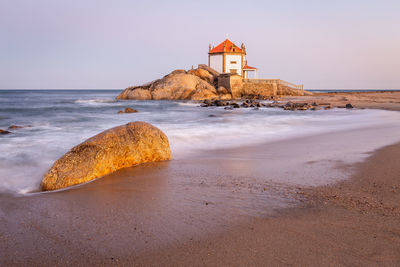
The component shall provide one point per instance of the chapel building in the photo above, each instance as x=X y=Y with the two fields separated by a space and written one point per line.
x=229 y=58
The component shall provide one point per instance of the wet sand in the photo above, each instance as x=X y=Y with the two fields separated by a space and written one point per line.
x=244 y=206
x=352 y=223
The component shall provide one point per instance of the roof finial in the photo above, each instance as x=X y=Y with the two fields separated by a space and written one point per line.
x=209 y=47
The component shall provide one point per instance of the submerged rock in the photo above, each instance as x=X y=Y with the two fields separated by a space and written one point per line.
x=14 y=127
x=111 y=150
x=127 y=110
x=130 y=110
x=4 y=132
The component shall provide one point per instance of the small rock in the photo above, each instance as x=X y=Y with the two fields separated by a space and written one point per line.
x=127 y=110
x=229 y=107
x=327 y=107
x=217 y=103
x=13 y=127
x=289 y=104
x=130 y=110
x=204 y=105
x=349 y=105
x=235 y=105
x=4 y=132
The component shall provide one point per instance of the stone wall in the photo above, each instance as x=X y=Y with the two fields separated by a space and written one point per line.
x=233 y=83
x=255 y=87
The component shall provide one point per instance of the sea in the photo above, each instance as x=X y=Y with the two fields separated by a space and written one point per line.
x=57 y=120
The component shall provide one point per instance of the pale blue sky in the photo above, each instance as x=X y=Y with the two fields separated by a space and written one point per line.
x=118 y=43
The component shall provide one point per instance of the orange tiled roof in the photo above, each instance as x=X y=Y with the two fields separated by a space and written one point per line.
x=226 y=46
x=247 y=67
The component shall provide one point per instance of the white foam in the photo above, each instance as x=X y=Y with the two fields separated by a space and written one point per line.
x=236 y=131
x=95 y=101
x=26 y=155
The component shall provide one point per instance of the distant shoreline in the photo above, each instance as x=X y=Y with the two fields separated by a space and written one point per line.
x=351 y=90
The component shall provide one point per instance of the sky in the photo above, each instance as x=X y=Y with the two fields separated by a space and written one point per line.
x=110 y=44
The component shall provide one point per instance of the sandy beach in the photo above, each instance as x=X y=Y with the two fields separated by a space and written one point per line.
x=355 y=222
x=251 y=205
x=389 y=100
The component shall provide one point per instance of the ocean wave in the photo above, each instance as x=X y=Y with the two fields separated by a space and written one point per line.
x=188 y=104
x=63 y=122
x=95 y=101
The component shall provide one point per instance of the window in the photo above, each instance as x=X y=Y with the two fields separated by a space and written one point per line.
x=233 y=62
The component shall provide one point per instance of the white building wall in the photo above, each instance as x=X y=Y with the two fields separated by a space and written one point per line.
x=230 y=65
x=216 y=62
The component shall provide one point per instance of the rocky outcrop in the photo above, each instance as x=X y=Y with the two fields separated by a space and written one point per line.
x=111 y=150
x=252 y=103
x=182 y=86
x=137 y=93
x=196 y=84
x=202 y=83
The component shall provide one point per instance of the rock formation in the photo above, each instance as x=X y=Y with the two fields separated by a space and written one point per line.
x=111 y=150
x=195 y=84
x=203 y=83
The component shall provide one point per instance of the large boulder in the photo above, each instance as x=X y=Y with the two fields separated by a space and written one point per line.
x=137 y=93
x=111 y=150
